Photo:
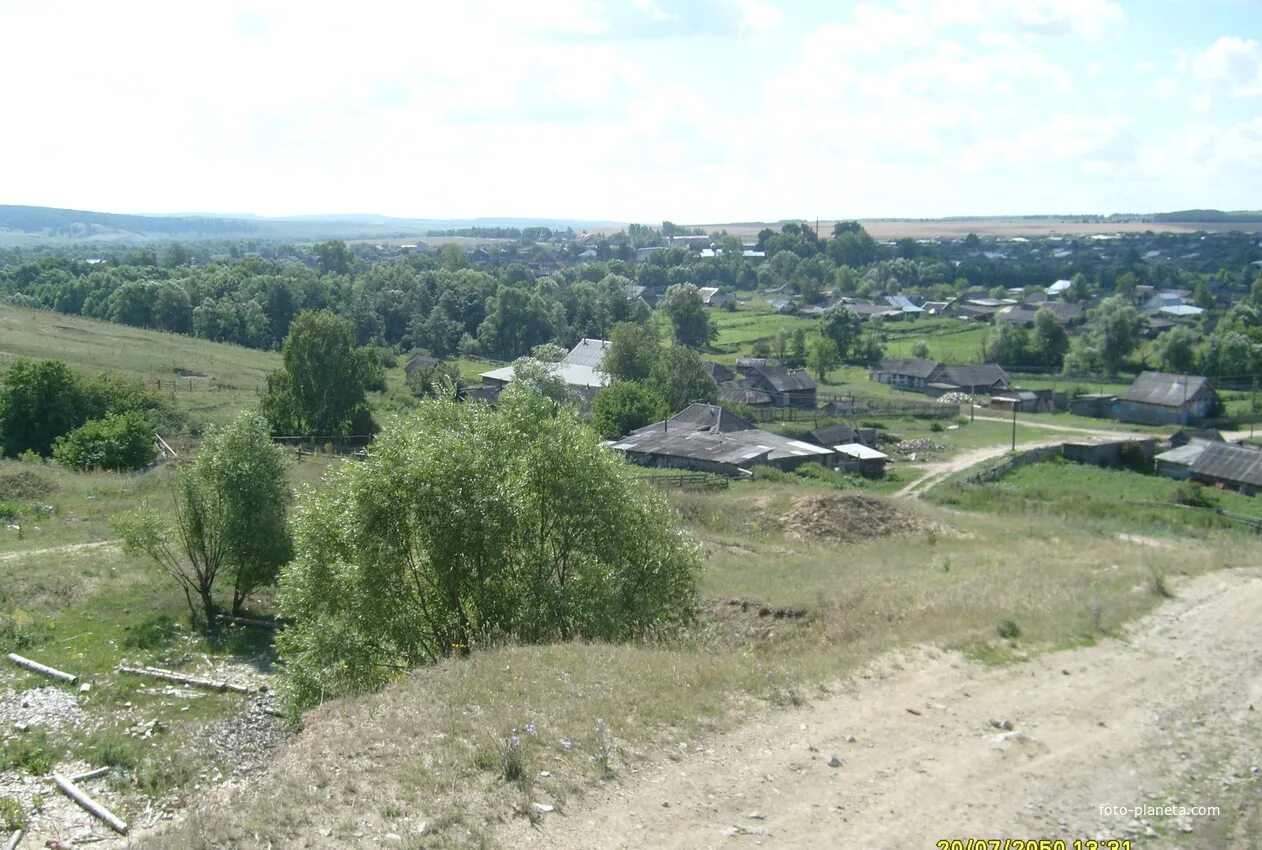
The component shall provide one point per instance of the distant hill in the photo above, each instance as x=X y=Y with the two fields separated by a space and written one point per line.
x=26 y=225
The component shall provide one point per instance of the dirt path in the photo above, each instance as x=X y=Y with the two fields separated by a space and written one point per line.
x=1165 y=716
x=1073 y=429
x=66 y=549
x=934 y=473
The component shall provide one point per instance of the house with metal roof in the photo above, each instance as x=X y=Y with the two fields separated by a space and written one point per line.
x=588 y=352
x=1177 y=462
x=708 y=438
x=856 y=457
x=987 y=378
x=1229 y=465
x=787 y=387
x=1159 y=398
x=907 y=374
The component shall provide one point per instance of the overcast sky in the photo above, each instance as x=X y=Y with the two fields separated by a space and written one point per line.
x=702 y=111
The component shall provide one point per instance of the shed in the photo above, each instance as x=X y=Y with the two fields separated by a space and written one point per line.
x=987 y=378
x=1177 y=462
x=1229 y=465
x=1094 y=405
x=787 y=387
x=1023 y=401
x=833 y=435
x=865 y=460
x=1186 y=435
x=1159 y=398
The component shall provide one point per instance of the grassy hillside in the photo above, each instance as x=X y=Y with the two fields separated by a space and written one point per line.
x=208 y=379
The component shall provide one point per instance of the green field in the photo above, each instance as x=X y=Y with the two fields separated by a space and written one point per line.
x=1101 y=500
x=210 y=380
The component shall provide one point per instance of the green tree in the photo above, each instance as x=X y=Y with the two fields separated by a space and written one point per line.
x=322 y=389
x=1202 y=297
x=920 y=350
x=332 y=257
x=470 y=526
x=517 y=322
x=1079 y=289
x=541 y=379
x=1118 y=329
x=691 y=325
x=1176 y=350
x=39 y=402
x=1127 y=286
x=228 y=519
x=680 y=377
x=624 y=406
x=1009 y=345
x=1228 y=354
x=797 y=344
x=632 y=350
x=119 y=441
x=823 y=357
x=1050 y=342
x=845 y=328
x=429 y=380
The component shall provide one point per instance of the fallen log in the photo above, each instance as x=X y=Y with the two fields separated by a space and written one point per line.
x=42 y=668
x=88 y=804
x=91 y=774
x=249 y=621
x=181 y=679
x=12 y=843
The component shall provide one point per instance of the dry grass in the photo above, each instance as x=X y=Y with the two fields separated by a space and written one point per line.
x=426 y=750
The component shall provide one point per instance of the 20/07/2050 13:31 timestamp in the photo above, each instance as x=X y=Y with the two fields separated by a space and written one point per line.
x=1034 y=844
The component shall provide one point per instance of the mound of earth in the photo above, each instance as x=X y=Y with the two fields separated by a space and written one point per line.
x=850 y=518
x=743 y=622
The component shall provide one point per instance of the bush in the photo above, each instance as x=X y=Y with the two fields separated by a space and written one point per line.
x=120 y=441
x=472 y=525
x=1009 y=629
x=1195 y=495
x=765 y=472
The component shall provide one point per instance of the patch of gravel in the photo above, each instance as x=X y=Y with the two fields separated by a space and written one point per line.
x=246 y=742
x=850 y=518
x=41 y=708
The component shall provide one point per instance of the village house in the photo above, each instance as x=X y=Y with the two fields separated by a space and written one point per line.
x=907 y=374
x=707 y=438
x=865 y=460
x=933 y=378
x=1158 y=398
x=711 y=297
x=787 y=387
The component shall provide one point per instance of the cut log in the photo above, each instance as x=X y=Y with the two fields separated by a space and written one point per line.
x=12 y=843
x=41 y=668
x=91 y=774
x=248 y=621
x=77 y=794
x=181 y=679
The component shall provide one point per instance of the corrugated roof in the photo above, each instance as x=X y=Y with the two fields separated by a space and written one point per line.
x=912 y=368
x=978 y=375
x=833 y=435
x=1186 y=454
x=571 y=373
x=902 y=302
x=588 y=352
x=734 y=392
x=1230 y=462
x=1164 y=389
x=786 y=380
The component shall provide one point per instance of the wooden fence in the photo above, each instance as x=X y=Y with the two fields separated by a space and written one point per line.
x=687 y=480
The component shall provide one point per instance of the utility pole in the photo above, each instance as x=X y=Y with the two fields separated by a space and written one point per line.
x=1253 y=407
x=1014 y=426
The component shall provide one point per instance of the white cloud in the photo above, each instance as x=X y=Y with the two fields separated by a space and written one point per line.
x=1232 y=61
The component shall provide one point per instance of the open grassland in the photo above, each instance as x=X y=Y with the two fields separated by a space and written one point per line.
x=790 y=608
x=210 y=380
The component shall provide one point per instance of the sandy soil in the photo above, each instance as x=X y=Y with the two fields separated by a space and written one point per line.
x=1168 y=715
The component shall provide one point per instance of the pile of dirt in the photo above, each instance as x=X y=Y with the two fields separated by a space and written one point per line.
x=851 y=518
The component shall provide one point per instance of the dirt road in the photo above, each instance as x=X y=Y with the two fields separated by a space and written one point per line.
x=932 y=474
x=66 y=549
x=1169 y=715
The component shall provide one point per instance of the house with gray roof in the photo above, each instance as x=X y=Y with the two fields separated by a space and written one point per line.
x=1229 y=465
x=908 y=373
x=787 y=387
x=707 y=438
x=1159 y=398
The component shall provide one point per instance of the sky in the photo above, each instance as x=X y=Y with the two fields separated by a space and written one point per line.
x=706 y=111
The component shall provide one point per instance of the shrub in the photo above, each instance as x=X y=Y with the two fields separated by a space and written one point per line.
x=765 y=472
x=470 y=525
x=119 y=441
x=1008 y=629
x=12 y=815
x=1195 y=495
